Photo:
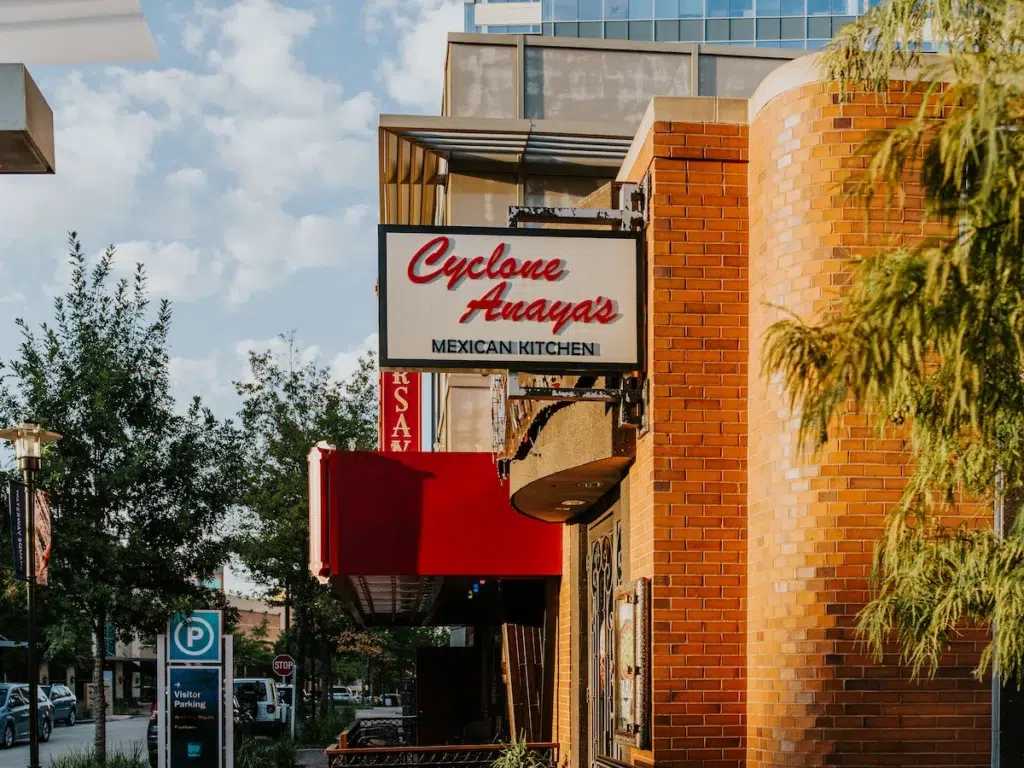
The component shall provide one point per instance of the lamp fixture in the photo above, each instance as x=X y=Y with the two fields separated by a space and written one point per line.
x=573 y=502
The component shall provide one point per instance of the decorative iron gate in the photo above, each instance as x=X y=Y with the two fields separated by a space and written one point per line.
x=605 y=576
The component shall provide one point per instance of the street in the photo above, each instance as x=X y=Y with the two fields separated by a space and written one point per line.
x=122 y=735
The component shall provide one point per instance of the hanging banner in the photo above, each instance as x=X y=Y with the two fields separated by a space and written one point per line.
x=525 y=300
x=196 y=722
x=16 y=503
x=401 y=412
x=43 y=538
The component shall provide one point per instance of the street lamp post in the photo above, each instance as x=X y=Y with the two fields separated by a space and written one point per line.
x=28 y=439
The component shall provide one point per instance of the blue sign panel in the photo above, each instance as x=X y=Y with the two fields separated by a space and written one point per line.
x=195 y=722
x=195 y=638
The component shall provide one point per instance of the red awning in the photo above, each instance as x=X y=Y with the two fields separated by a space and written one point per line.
x=423 y=515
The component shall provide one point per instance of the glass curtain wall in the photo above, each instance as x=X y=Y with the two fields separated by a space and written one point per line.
x=800 y=24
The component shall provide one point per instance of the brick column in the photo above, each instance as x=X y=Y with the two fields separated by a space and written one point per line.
x=814 y=698
x=698 y=363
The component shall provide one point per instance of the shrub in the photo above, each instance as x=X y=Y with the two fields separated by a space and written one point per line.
x=322 y=731
x=259 y=753
x=135 y=758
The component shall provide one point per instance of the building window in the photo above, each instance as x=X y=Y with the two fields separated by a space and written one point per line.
x=691 y=30
x=641 y=9
x=567 y=29
x=616 y=9
x=666 y=9
x=591 y=29
x=718 y=9
x=793 y=8
x=616 y=30
x=741 y=29
x=769 y=29
x=716 y=30
x=692 y=9
x=469 y=18
x=819 y=27
x=666 y=31
x=792 y=29
x=641 y=30
x=566 y=10
x=838 y=22
x=590 y=10
x=741 y=8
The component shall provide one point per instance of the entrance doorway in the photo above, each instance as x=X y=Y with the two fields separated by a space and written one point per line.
x=606 y=572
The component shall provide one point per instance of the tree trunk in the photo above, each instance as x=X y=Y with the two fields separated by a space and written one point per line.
x=99 y=695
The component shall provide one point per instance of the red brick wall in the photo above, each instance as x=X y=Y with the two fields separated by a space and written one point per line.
x=688 y=486
x=814 y=698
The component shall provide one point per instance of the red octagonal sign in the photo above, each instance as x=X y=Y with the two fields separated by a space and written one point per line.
x=284 y=665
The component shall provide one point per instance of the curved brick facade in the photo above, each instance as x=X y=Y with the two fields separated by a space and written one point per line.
x=813 y=698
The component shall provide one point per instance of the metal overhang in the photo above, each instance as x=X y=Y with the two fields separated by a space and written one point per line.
x=416 y=151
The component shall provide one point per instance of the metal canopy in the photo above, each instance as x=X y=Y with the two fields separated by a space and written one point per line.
x=39 y=32
x=398 y=600
x=415 y=152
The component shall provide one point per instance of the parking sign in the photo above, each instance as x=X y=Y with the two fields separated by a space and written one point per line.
x=195 y=638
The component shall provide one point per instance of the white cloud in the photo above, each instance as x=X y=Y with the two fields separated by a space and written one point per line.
x=187 y=178
x=191 y=377
x=414 y=76
x=173 y=270
x=104 y=146
x=346 y=363
x=274 y=133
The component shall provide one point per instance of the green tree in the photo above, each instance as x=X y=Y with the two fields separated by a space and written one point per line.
x=930 y=335
x=288 y=406
x=139 y=489
x=253 y=651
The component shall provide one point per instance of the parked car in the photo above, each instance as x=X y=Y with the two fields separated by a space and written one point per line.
x=153 y=736
x=342 y=695
x=65 y=703
x=259 y=698
x=14 y=714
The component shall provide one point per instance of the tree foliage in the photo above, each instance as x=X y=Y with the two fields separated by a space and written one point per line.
x=139 y=488
x=289 y=405
x=931 y=334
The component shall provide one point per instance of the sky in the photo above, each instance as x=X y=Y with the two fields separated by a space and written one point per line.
x=240 y=169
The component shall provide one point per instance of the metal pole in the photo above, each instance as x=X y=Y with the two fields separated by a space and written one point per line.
x=161 y=701
x=29 y=465
x=229 y=701
x=295 y=692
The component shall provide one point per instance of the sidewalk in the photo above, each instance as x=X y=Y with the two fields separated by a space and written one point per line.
x=312 y=758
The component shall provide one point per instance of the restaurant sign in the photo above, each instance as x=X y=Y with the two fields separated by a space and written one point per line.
x=510 y=299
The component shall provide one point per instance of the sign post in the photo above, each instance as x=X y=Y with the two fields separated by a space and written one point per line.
x=195 y=716
x=284 y=666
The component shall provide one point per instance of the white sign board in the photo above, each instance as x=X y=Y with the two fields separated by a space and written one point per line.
x=510 y=299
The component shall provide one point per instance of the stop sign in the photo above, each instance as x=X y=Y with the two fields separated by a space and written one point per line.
x=284 y=665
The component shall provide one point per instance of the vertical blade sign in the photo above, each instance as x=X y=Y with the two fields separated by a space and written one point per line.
x=16 y=498
x=400 y=412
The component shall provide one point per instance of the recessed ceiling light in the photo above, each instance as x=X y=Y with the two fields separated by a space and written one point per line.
x=574 y=502
x=590 y=484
